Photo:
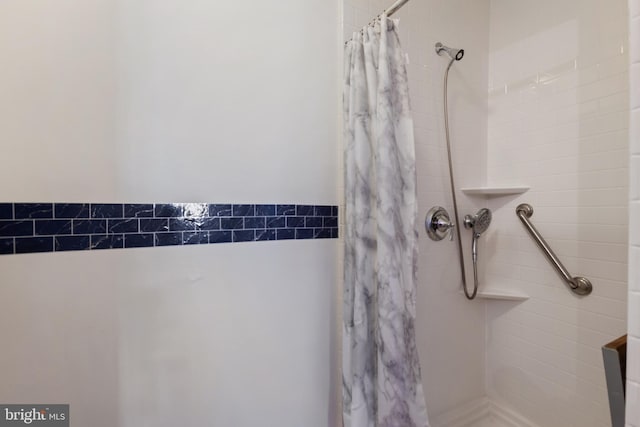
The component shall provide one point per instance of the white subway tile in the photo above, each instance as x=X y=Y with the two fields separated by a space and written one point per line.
x=585 y=198
x=634 y=34
x=615 y=102
x=634 y=132
x=568 y=75
x=615 y=43
x=613 y=65
x=608 y=160
x=361 y=17
x=634 y=224
x=614 y=290
x=634 y=269
x=614 y=141
x=634 y=313
x=359 y=4
x=634 y=184
x=633 y=403
x=607 y=178
x=635 y=86
x=348 y=16
x=634 y=9
x=633 y=367
x=566 y=135
x=605 y=123
x=604 y=87
x=615 y=271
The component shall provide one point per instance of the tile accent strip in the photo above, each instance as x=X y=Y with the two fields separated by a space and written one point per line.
x=59 y=227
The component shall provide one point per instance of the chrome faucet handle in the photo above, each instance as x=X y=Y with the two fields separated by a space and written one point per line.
x=452 y=232
x=438 y=224
x=446 y=227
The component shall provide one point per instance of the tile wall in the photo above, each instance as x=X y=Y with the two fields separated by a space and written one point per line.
x=633 y=349
x=61 y=227
x=558 y=122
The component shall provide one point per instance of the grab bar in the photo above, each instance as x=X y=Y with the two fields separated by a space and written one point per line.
x=579 y=285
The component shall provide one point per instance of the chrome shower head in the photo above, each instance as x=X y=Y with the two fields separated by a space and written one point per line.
x=456 y=54
x=482 y=222
x=479 y=222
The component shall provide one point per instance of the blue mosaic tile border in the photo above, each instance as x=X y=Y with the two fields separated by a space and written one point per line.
x=59 y=227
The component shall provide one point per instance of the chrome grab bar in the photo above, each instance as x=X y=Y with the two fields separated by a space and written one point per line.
x=579 y=285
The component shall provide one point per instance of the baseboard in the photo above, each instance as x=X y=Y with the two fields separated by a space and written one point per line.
x=481 y=412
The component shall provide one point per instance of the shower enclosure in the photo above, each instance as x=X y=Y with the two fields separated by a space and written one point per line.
x=539 y=114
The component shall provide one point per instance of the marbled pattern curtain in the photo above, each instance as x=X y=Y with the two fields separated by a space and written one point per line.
x=381 y=373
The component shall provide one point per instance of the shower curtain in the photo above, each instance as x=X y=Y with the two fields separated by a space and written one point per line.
x=381 y=373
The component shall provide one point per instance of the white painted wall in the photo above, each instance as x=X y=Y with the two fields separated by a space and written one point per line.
x=450 y=330
x=633 y=343
x=171 y=101
x=58 y=100
x=558 y=119
x=240 y=80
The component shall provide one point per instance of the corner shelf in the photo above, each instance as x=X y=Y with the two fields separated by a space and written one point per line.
x=495 y=191
x=498 y=294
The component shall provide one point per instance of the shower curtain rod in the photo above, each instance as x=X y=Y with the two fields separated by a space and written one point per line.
x=390 y=11
x=395 y=7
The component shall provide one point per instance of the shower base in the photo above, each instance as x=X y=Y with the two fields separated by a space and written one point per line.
x=481 y=413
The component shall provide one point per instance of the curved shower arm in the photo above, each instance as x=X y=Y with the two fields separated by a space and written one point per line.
x=578 y=284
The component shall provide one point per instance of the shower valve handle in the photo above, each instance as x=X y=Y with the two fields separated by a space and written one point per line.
x=438 y=224
x=452 y=231
x=446 y=227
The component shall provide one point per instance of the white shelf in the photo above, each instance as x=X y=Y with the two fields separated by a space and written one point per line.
x=495 y=191
x=498 y=294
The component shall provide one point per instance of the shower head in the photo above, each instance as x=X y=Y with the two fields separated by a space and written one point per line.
x=479 y=222
x=456 y=54
x=483 y=219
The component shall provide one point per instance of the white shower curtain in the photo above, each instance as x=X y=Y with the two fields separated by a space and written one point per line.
x=381 y=373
